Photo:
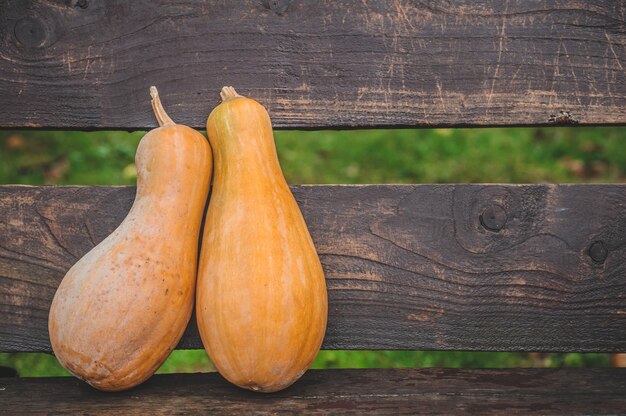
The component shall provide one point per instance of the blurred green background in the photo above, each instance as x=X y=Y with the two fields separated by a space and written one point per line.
x=517 y=155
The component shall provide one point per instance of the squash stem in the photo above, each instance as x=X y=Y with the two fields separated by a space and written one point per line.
x=228 y=93
x=161 y=116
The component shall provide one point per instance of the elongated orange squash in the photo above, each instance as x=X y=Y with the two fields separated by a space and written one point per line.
x=123 y=307
x=261 y=299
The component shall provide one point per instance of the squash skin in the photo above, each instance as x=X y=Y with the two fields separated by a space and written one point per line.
x=123 y=307
x=261 y=299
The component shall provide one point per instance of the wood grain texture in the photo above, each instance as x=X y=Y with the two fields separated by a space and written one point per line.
x=407 y=267
x=315 y=64
x=330 y=392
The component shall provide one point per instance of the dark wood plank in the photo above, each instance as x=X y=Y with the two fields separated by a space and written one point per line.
x=315 y=64
x=408 y=267
x=329 y=392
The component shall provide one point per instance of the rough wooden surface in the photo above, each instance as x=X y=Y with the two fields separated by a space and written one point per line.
x=331 y=392
x=466 y=267
x=326 y=63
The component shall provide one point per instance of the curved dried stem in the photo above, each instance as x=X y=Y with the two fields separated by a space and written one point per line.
x=228 y=93
x=161 y=116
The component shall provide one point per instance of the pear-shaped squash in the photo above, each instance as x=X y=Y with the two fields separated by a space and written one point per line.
x=261 y=299
x=123 y=307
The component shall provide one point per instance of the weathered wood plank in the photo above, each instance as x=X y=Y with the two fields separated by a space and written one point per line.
x=330 y=392
x=325 y=63
x=408 y=267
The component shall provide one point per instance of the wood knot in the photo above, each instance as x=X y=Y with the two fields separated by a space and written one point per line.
x=598 y=252
x=82 y=4
x=31 y=32
x=277 y=6
x=493 y=218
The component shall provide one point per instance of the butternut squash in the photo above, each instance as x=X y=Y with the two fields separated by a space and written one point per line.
x=123 y=307
x=261 y=300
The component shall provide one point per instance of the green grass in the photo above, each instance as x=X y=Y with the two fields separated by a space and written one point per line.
x=454 y=156
x=453 y=359
x=564 y=155
x=192 y=361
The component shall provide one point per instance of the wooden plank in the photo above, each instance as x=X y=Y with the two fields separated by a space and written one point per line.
x=329 y=392
x=315 y=64
x=408 y=267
